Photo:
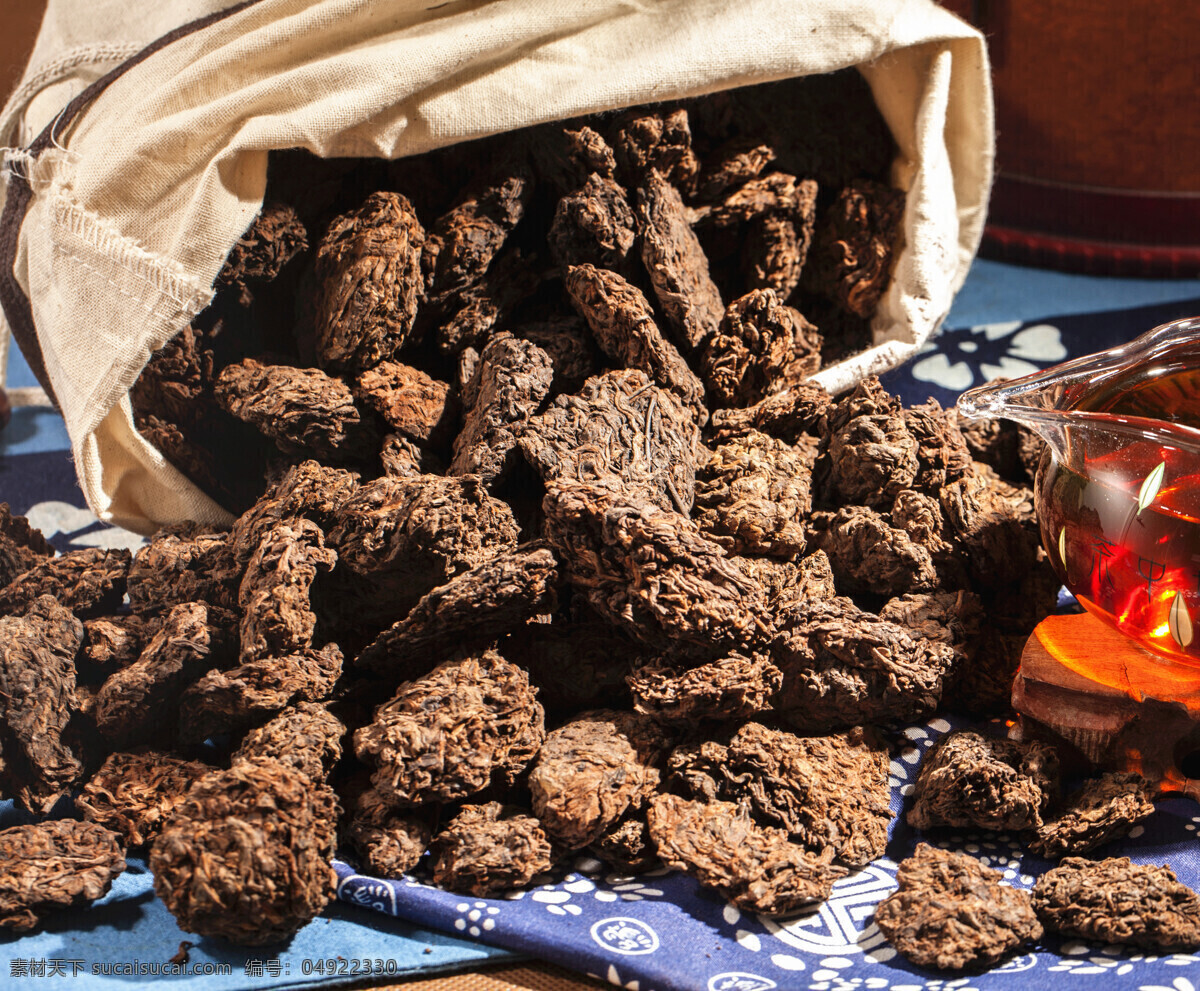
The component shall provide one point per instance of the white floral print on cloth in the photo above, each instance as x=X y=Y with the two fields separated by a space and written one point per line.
x=684 y=938
x=663 y=932
x=62 y=523
x=960 y=359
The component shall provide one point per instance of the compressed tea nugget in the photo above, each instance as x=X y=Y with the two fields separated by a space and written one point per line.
x=277 y=618
x=845 y=667
x=417 y=406
x=303 y=410
x=872 y=454
x=246 y=854
x=490 y=303
x=447 y=735
x=753 y=494
x=787 y=415
x=51 y=865
x=139 y=700
x=566 y=156
x=37 y=698
x=229 y=701
x=275 y=237
x=829 y=793
x=622 y=425
x=1118 y=901
x=472 y=609
x=86 y=581
x=870 y=556
x=590 y=771
x=762 y=347
x=114 y=642
x=774 y=215
x=731 y=165
x=855 y=242
x=623 y=324
x=594 y=224
x=734 y=687
x=308 y=490
x=971 y=780
x=182 y=564
x=368 y=273
x=305 y=736
x=403 y=537
x=676 y=264
x=462 y=243
x=756 y=868
x=486 y=849
x=21 y=546
x=568 y=343
x=952 y=913
x=994 y=523
x=645 y=139
x=650 y=571
x=513 y=378
x=388 y=842
x=1104 y=809
x=135 y=793
x=942 y=453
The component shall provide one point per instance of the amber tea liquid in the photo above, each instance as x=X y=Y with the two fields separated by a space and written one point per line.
x=1123 y=531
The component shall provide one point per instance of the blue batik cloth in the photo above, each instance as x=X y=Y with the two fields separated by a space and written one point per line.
x=657 y=931
x=663 y=932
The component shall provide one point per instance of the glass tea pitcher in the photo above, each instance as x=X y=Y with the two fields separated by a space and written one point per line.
x=1118 y=492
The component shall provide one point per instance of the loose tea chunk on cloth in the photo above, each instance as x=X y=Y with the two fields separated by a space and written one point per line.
x=1117 y=901
x=951 y=913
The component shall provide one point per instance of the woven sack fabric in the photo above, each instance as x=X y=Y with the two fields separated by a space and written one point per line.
x=120 y=213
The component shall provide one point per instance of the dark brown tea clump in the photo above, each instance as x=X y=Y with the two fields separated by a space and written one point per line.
x=971 y=780
x=486 y=849
x=1118 y=901
x=246 y=854
x=952 y=913
x=135 y=793
x=1102 y=810
x=757 y=868
x=52 y=865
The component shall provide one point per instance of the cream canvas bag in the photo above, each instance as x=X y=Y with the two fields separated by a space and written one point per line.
x=119 y=214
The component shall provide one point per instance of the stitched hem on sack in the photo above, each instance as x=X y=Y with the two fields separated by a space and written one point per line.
x=131 y=257
x=14 y=302
x=57 y=70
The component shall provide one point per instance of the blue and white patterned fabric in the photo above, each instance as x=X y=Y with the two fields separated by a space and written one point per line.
x=658 y=931
x=663 y=932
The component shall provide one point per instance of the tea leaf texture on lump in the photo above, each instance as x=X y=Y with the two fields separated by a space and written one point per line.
x=971 y=780
x=246 y=855
x=52 y=865
x=951 y=913
x=1118 y=901
x=447 y=735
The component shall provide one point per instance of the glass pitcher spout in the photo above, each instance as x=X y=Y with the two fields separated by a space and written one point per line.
x=1118 y=496
x=1098 y=391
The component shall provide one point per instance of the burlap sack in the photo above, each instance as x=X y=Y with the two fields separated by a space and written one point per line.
x=120 y=213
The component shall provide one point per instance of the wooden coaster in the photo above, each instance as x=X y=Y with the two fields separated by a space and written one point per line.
x=1119 y=705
